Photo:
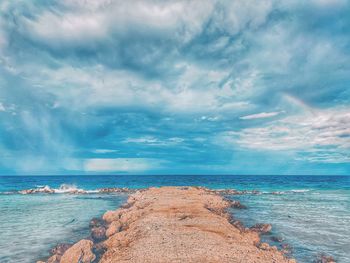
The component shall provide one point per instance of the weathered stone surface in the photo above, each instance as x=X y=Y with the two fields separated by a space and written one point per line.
x=54 y=259
x=113 y=228
x=80 y=252
x=111 y=216
x=181 y=224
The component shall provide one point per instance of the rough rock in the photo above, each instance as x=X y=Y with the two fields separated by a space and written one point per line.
x=111 y=216
x=80 y=252
x=181 y=224
x=113 y=228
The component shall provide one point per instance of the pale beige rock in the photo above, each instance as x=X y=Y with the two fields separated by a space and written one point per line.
x=188 y=224
x=80 y=252
x=111 y=216
x=113 y=228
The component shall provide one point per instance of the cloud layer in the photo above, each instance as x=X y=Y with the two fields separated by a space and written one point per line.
x=174 y=86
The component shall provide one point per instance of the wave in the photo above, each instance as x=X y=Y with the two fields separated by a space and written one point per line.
x=257 y=192
x=300 y=191
x=294 y=191
x=66 y=189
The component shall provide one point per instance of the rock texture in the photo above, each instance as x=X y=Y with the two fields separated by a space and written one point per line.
x=80 y=252
x=172 y=224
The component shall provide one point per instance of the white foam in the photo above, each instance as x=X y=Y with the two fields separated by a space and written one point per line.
x=300 y=190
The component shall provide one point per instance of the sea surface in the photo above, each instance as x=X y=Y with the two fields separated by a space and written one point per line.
x=309 y=213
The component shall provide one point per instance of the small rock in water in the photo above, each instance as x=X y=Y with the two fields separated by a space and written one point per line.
x=96 y=222
x=261 y=228
x=98 y=233
x=238 y=205
x=322 y=258
x=277 y=239
x=60 y=249
x=99 y=249
x=286 y=249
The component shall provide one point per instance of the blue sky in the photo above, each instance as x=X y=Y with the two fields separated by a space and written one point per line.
x=174 y=87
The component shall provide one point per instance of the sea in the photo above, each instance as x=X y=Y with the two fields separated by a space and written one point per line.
x=309 y=214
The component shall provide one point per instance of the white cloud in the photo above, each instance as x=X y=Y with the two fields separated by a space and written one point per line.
x=261 y=115
x=234 y=16
x=120 y=165
x=70 y=28
x=82 y=88
x=82 y=23
x=326 y=132
x=329 y=3
x=103 y=151
x=2 y=107
x=150 y=140
x=92 y=22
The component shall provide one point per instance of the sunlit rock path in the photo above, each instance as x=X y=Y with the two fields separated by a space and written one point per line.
x=173 y=224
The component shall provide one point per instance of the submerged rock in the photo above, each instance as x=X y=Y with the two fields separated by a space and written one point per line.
x=277 y=239
x=114 y=190
x=99 y=249
x=238 y=205
x=322 y=258
x=60 y=249
x=43 y=190
x=96 y=222
x=80 y=252
x=98 y=233
x=286 y=248
x=261 y=228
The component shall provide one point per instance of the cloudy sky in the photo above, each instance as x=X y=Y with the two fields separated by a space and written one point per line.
x=174 y=87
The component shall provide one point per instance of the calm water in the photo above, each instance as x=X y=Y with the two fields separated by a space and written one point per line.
x=311 y=213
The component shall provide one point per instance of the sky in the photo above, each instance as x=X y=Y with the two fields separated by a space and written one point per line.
x=174 y=87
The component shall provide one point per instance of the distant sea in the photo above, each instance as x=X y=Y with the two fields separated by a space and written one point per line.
x=310 y=213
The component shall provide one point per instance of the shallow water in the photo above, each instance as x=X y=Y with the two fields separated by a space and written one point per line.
x=310 y=222
x=32 y=224
x=311 y=213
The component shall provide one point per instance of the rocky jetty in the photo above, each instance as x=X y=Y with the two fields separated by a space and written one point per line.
x=170 y=224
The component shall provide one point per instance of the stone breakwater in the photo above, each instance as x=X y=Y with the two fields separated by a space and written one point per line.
x=72 y=189
x=170 y=224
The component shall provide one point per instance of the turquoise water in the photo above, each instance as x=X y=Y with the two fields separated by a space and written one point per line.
x=310 y=213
